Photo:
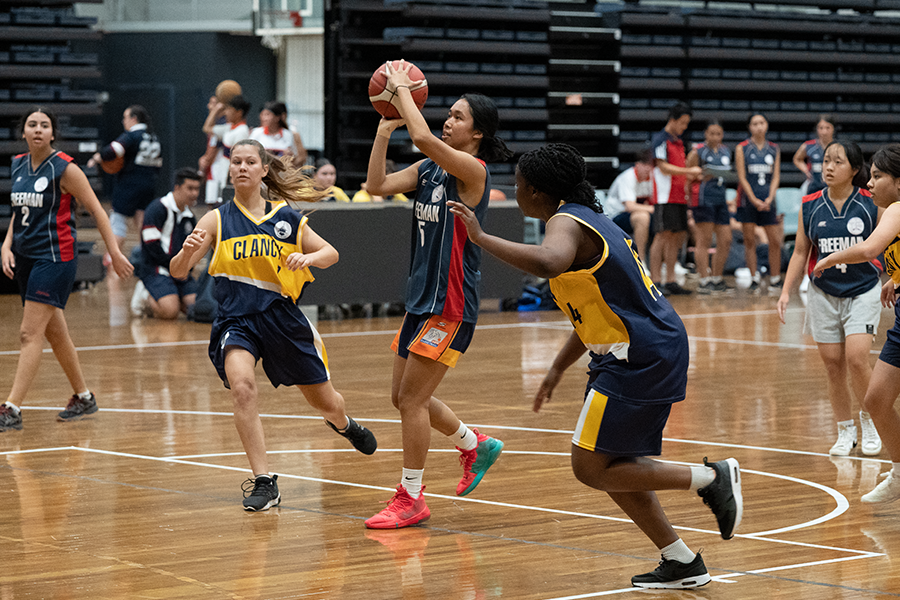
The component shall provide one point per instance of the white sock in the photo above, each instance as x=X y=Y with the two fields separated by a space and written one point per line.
x=717 y=278
x=262 y=475
x=774 y=280
x=465 y=438
x=679 y=551
x=412 y=481
x=896 y=469
x=846 y=423
x=17 y=411
x=85 y=395
x=701 y=476
x=704 y=280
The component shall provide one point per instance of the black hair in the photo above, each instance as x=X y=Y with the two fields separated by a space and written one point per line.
x=187 y=173
x=828 y=118
x=856 y=160
x=887 y=159
x=645 y=155
x=279 y=110
x=54 y=124
x=559 y=171
x=321 y=162
x=679 y=110
x=240 y=103
x=755 y=114
x=140 y=113
x=715 y=122
x=486 y=119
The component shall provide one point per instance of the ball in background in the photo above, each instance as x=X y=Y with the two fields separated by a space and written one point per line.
x=227 y=89
x=381 y=98
x=113 y=166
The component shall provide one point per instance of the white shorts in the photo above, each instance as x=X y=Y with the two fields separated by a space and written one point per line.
x=830 y=319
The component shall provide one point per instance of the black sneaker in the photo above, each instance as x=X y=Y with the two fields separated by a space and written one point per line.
x=753 y=288
x=671 y=574
x=77 y=408
x=361 y=438
x=261 y=493
x=706 y=288
x=723 y=495
x=10 y=418
x=676 y=290
x=720 y=287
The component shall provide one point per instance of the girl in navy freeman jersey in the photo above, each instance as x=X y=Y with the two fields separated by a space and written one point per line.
x=710 y=208
x=442 y=291
x=884 y=386
x=808 y=157
x=758 y=165
x=39 y=251
x=843 y=308
x=639 y=357
x=262 y=252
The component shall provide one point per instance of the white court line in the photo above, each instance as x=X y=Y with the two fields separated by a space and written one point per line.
x=841 y=500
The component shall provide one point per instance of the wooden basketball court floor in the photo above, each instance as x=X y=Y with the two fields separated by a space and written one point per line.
x=143 y=499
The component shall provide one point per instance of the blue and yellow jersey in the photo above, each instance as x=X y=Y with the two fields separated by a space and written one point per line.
x=248 y=259
x=892 y=260
x=43 y=216
x=638 y=343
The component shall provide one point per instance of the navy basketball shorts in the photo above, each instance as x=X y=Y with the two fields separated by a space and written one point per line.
x=890 y=352
x=291 y=349
x=620 y=427
x=749 y=214
x=45 y=281
x=434 y=337
x=716 y=214
x=160 y=286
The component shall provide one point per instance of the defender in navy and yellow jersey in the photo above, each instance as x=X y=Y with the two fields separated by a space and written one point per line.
x=843 y=307
x=39 y=253
x=442 y=290
x=639 y=356
x=881 y=395
x=808 y=157
x=758 y=165
x=262 y=252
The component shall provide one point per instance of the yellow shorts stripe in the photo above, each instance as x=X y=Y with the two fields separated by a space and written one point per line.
x=589 y=421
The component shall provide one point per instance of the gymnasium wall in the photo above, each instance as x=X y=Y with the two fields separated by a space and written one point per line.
x=173 y=75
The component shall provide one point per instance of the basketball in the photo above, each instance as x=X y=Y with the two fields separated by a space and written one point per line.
x=227 y=89
x=381 y=98
x=113 y=166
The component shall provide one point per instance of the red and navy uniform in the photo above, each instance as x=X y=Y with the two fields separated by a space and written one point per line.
x=815 y=154
x=830 y=231
x=444 y=272
x=670 y=189
x=136 y=183
x=43 y=215
x=759 y=166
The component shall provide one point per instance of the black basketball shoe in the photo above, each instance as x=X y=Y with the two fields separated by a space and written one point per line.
x=261 y=493
x=723 y=495
x=671 y=574
x=361 y=438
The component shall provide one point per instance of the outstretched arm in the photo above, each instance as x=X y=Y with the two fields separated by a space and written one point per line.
x=868 y=249
x=555 y=254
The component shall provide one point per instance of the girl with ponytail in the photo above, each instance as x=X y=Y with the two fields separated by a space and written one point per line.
x=639 y=357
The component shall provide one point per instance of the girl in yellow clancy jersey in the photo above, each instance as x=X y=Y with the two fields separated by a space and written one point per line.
x=639 y=357
x=884 y=385
x=262 y=252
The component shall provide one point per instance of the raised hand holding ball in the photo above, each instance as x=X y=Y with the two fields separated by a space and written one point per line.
x=385 y=81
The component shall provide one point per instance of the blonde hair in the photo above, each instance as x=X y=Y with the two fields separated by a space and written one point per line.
x=284 y=181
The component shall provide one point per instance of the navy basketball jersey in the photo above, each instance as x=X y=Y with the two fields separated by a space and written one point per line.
x=43 y=216
x=815 y=154
x=759 y=166
x=136 y=182
x=248 y=259
x=638 y=343
x=444 y=274
x=830 y=231
x=712 y=191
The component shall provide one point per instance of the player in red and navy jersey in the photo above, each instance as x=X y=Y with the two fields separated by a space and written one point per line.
x=710 y=209
x=442 y=292
x=40 y=252
x=758 y=165
x=808 y=157
x=670 y=219
x=844 y=304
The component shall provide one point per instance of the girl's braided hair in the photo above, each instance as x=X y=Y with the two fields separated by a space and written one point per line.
x=559 y=171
